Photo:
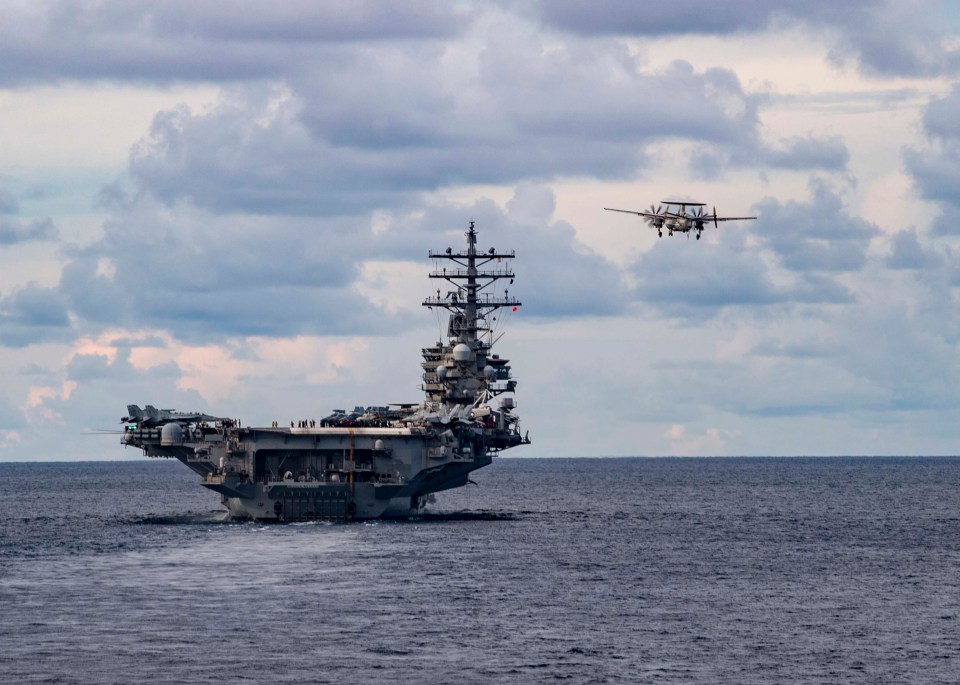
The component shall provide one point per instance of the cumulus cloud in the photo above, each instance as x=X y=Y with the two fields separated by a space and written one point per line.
x=790 y=255
x=816 y=236
x=8 y=203
x=829 y=154
x=400 y=121
x=202 y=274
x=10 y=417
x=13 y=231
x=33 y=314
x=689 y=17
x=280 y=233
x=935 y=169
x=557 y=276
x=889 y=37
x=210 y=41
x=907 y=252
x=378 y=132
x=683 y=278
x=897 y=38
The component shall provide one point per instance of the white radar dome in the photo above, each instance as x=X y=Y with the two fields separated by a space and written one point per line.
x=171 y=434
x=461 y=352
x=490 y=373
x=441 y=372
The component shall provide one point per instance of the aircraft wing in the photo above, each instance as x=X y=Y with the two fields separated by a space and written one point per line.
x=650 y=215
x=730 y=218
x=630 y=211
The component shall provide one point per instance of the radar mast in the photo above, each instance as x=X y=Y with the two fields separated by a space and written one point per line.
x=463 y=371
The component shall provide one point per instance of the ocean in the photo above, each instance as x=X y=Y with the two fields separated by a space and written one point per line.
x=727 y=570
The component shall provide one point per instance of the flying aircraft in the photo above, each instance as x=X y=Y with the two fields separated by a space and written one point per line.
x=675 y=219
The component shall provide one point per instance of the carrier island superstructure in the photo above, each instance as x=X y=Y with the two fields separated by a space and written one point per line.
x=376 y=461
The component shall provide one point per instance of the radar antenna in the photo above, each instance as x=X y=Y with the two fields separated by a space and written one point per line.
x=463 y=369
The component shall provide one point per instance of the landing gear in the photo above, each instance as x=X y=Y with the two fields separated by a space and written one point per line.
x=698 y=235
x=659 y=234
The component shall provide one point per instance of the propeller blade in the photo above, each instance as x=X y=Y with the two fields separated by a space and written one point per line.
x=654 y=222
x=715 y=224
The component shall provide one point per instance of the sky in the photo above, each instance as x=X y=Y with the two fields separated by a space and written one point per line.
x=227 y=207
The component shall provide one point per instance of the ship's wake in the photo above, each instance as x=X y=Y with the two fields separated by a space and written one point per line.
x=191 y=518
x=443 y=516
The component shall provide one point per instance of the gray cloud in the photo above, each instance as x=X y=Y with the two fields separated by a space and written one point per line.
x=33 y=314
x=793 y=349
x=370 y=134
x=36 y=306
x=201 y=41
x=11 y=418
x=790 y=255
x=328 y=120
x=13 y=231
x=936 y=174
x=690 y=17
x=882 y=36
x=795 y=154
x=681 y=276
x=212 y=41
x=819 y=235
x=8 y=203
x=203 y=275
x=828 y=154
x=894 y=38
x=940 y=119
x=907 y=252
x=305 y=21
x=557 y=276
x=100 y=397
x=936 y=168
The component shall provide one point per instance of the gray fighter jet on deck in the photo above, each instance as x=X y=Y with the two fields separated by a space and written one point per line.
x=150 y=416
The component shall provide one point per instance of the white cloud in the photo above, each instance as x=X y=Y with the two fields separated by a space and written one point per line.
x=709 y=442
x=231 y=212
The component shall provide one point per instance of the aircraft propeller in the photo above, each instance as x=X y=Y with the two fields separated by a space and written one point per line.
x=698 y=218
x=654 y=222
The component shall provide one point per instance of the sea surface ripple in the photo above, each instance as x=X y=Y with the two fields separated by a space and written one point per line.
x=735 y=570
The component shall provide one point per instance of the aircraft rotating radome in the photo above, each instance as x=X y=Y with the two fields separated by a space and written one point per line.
x=675 y=219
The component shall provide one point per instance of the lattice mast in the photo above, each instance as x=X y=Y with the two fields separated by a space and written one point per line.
x=463 y=371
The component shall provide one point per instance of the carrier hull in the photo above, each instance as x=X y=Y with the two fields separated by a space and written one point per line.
x=296 y=501
x=335 y=474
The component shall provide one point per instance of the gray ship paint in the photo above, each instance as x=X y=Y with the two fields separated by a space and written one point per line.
x=376 y=461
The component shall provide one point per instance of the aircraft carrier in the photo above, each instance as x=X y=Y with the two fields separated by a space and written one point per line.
x=378 y=461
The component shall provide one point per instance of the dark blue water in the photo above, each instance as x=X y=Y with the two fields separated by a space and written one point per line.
x=578 y=570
